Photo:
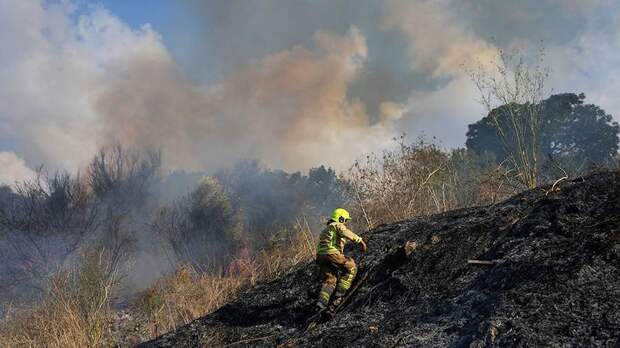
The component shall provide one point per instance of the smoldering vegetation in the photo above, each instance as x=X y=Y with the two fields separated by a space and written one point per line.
x=146 y=223
x=551 y=279
x=183 y=241
x=127 y=252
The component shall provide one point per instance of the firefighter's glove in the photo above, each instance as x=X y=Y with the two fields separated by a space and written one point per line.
x=363 y=246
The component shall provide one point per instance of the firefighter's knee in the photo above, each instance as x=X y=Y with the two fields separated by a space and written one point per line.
x=344 y=283
x=329 y=279
x=351 y=267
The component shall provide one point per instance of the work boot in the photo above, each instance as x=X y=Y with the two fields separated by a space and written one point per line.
x=337 y=301
x=320 y=306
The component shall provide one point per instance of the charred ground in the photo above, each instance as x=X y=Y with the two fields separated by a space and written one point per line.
x=555 y=281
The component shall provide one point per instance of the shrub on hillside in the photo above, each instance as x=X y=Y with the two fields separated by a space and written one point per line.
x=201 y=227
x=189 y=293
x=74 y=312
x=421 y=179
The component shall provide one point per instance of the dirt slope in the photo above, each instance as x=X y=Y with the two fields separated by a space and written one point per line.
x=556 y=282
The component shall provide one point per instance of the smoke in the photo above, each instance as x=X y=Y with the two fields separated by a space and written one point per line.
x=291 y=84
x=14 y=169
x=53 y=69
x=77 y=85
x=591 y=63
x=579 y=39
x=439 y=44
x=290 y=110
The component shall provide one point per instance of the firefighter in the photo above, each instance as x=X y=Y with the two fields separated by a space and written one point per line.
x=331 y=259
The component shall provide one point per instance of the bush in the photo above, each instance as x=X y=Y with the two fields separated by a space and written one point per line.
x=200 y=228
x=421 y=179
x=75 y=311
x=184 y=296
x=188 y=293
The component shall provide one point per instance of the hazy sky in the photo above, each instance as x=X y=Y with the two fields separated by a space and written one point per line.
x=293 y=83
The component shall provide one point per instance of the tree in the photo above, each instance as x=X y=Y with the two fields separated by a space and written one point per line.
x=41 y=225
x=199 y=227
x=270 y=200
x=512 y=92
x=572 y=133
x=324 y=190
x=123 y=178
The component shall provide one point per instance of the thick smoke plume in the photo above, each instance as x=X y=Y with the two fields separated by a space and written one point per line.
x=287 y=83
x=13 y=169
x=291 y=110
x=72 y=86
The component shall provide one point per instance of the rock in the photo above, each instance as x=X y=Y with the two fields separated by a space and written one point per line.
x=410 y=247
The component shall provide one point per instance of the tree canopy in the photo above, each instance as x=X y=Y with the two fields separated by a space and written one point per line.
x=569 y=129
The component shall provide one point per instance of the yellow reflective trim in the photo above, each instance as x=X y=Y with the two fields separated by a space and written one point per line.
x=349 y=278
x=344 y=285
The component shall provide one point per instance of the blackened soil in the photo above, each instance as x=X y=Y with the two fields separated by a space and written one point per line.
x=555 y=282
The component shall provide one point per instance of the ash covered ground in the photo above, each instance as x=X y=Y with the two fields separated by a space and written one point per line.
x=555 y=281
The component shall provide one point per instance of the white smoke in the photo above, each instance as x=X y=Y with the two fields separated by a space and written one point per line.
x=14 y=169
x=290 y=110
x=75 y=78
x=53 y=69
x=71 y=86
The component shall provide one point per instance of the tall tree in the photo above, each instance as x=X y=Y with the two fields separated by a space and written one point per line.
x=571 y=132
x=512 y=91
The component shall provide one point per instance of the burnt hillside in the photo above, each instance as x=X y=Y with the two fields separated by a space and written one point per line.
x=555 y=281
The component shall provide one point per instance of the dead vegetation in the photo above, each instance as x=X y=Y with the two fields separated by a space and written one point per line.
x=551 y=278
x=75 y=311
x=109 y=207
x=512 y=91
x=188 y=294
x=422 y=179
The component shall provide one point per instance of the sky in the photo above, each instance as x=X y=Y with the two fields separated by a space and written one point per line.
x=294 y=84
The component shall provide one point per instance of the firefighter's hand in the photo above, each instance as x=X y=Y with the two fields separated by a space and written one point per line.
x=363 y=246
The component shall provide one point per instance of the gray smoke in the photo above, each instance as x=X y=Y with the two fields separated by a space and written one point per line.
x=288 y=83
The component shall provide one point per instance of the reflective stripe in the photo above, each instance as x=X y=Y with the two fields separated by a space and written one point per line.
x=344 y=283
x=344 y=286
x=328 y=241
x=324 y=296
x=325 y=293
x=333 y=238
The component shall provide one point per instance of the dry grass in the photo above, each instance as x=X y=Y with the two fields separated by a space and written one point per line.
x=286 y=250
x=76 y=310
x=421 y=179
x=188 y=294
x=74 y=313
x=184 y=296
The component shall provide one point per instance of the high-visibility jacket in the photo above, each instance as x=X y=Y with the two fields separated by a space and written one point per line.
x=333 y=238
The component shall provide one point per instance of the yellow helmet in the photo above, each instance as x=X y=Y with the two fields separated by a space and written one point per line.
x=340 y=215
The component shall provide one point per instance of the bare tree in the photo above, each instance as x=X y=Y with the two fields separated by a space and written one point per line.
x=200 y=227
x=512 y=92
x=42 y=224
x=123 y=176
x=49 y=218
